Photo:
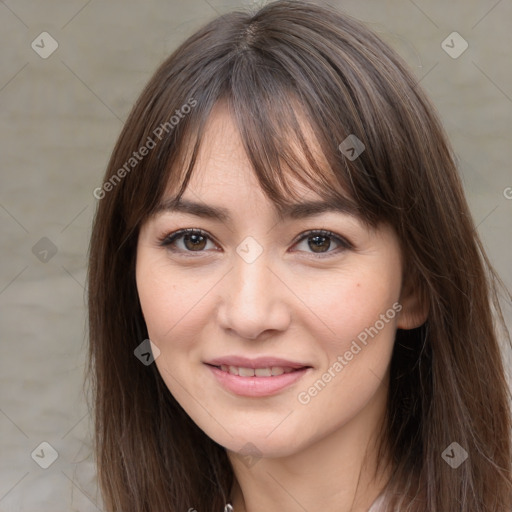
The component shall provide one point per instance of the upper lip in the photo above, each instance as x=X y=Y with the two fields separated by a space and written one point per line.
x=258 y=362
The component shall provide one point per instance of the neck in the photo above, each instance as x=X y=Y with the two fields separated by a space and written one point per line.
x=335 y=474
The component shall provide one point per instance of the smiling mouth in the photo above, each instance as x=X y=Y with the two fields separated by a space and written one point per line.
x=271 y=371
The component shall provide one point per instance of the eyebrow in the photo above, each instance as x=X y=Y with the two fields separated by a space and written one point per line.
x=290 y=211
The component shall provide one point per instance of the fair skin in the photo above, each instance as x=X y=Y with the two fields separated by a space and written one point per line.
x=288 y=302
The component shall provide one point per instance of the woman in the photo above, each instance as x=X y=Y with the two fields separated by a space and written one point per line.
x=290 y=308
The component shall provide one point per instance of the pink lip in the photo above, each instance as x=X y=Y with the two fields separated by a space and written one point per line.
x=256 y=386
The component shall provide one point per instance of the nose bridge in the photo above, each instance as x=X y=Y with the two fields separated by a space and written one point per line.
x=251 y=268
x=251 y=279
x=253 y=301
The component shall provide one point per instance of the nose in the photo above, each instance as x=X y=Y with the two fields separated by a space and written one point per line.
x=253 y=300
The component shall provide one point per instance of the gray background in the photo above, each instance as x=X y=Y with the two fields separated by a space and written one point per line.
x=60 y=119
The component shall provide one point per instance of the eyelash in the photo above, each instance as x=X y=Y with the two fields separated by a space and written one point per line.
x=168 y=239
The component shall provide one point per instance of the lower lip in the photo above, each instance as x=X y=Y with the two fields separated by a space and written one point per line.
x=256 y=386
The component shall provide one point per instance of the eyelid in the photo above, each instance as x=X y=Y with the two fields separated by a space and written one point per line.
x=168 y=238
x=344 y=244
x=323 y=232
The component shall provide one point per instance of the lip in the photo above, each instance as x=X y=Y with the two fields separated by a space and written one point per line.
x=256 y=386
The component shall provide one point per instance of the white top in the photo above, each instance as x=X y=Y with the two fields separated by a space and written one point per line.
x=377 y=504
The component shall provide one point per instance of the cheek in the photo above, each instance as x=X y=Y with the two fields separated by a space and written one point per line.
x=348 y=303
x=174 y=303
x=172 y=300
x=358 y=313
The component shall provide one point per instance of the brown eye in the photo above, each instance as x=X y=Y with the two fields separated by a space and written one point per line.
x=187 y=241
x=321 y=242
x=194 y=242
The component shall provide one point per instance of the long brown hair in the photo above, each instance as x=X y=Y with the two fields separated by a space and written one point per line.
x=447 y=383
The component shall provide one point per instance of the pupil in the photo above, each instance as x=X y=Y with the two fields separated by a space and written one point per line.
x=198 y=241
x=318 y=241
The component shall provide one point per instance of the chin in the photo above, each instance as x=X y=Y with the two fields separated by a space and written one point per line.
x=251 y=444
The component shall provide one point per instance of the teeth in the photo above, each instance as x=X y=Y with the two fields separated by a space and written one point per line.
x=246 y=372
x=255 y=372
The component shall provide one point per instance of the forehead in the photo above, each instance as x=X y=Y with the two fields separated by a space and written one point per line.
x=224 y=155
x=223 y=170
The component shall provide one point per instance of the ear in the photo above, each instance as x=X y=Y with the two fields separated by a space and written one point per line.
x=414 y=303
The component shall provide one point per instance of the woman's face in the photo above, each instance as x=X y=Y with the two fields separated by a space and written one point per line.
x=255 y=293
